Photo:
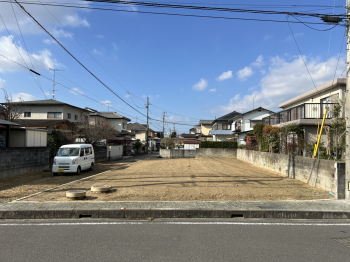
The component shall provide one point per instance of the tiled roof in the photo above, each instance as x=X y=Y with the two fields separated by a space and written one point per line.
x=256 y=109
x=205 y=122
x=126 y=133
x=136 y=126
x=192 y=142
x=227 y=116
x=188 y=135
x=114 y=115
x=221 y=132
x=45 y=102
x=4 y=122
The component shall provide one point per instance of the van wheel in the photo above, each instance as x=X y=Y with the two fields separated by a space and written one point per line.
x=92 y=167
x=78 y=171
x=55 y=174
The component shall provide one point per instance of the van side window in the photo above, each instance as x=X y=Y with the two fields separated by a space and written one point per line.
x=90 y=150
x=82 y=152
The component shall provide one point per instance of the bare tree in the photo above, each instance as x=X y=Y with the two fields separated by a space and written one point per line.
x=11 y=110
x=94 y=133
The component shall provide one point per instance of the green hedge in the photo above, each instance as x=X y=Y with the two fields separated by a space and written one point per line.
x=222 y=144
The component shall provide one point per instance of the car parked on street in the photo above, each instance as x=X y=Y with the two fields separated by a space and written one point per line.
x=74 y=158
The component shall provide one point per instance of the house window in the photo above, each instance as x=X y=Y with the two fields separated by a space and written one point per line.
x=76 y=117
x=123 y=125
x=27 y=114
x=238 y=126
x=54 y=115
x=85 y=118
x=138 y=132
x=226 y=126
x=69 y=116
x=254 y=122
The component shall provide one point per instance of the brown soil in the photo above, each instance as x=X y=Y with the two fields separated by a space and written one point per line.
x=23 y=185
x=206 y=179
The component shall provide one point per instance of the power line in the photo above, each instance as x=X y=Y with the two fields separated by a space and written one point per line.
x=164 y=13
x=301 y=54
x=65 y=49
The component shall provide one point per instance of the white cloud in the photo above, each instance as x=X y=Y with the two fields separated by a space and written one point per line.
x=23 y=97
x=76 y=91
x=212 y=90
x=259 y=62
x=244 y=73
x=97 y=52
x=69 y=17
x=59 y=33
x=8 y=49
x=224 y=76
x=99 y=36
x=285 y=79
x=49 y=41
x=201 y=85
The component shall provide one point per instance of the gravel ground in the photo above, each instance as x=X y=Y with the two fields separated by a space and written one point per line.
x=202 y=179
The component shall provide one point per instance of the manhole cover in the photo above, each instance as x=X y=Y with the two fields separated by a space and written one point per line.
x=272 y=207
x=343 y=241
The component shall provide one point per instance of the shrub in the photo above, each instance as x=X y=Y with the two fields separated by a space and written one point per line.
x=218 y=144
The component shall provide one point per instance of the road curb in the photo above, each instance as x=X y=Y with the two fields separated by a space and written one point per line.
x=74 y=213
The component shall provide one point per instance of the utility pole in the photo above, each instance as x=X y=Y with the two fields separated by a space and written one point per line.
x=163 y=123
x=347 y=108
x=147 y=105
x=54 y=83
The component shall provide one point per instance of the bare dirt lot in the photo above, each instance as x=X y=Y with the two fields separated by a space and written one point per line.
x=202 y=179
x=19 y=186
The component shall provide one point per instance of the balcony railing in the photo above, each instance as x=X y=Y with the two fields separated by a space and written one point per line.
x=304 y=111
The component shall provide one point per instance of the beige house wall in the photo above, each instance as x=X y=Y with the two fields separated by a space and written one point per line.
x=205 y=129
x=317 y=97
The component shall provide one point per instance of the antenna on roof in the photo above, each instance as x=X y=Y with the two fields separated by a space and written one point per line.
x=54 y=83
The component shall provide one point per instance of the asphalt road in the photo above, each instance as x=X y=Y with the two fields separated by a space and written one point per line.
x=173 y=240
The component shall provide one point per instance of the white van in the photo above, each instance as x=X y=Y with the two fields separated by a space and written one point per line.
x=73 y=159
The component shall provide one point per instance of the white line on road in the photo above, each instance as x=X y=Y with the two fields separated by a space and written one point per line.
x=174 y=223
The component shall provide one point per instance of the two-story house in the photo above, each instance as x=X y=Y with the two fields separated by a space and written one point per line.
x=243 y=123
x=307 y=109
x=117 y=121
x=140 y=131
x=49 y=114
x=221 y=127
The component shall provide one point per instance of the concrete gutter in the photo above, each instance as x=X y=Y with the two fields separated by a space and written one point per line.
x=322 y=209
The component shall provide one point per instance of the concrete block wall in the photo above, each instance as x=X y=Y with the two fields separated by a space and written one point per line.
x=100 y=153
x=315 y=172
x=217 y=152
x=21 y=160
x=177 y=153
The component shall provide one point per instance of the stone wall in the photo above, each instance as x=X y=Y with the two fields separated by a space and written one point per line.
x=315 y=172
x=177 y=153
x=21 y=160
x=217 y=152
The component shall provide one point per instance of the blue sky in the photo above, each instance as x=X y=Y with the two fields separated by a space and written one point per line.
x=197 y=68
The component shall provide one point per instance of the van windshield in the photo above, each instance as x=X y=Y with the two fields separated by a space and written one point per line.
x=68 y=151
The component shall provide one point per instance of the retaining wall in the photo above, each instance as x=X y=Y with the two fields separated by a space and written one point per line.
x=21 y=160
x=217 y=152
x=316 y=172
x=177 y=153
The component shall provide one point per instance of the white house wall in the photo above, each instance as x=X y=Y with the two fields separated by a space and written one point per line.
x=255 y=115
x=118 y=123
